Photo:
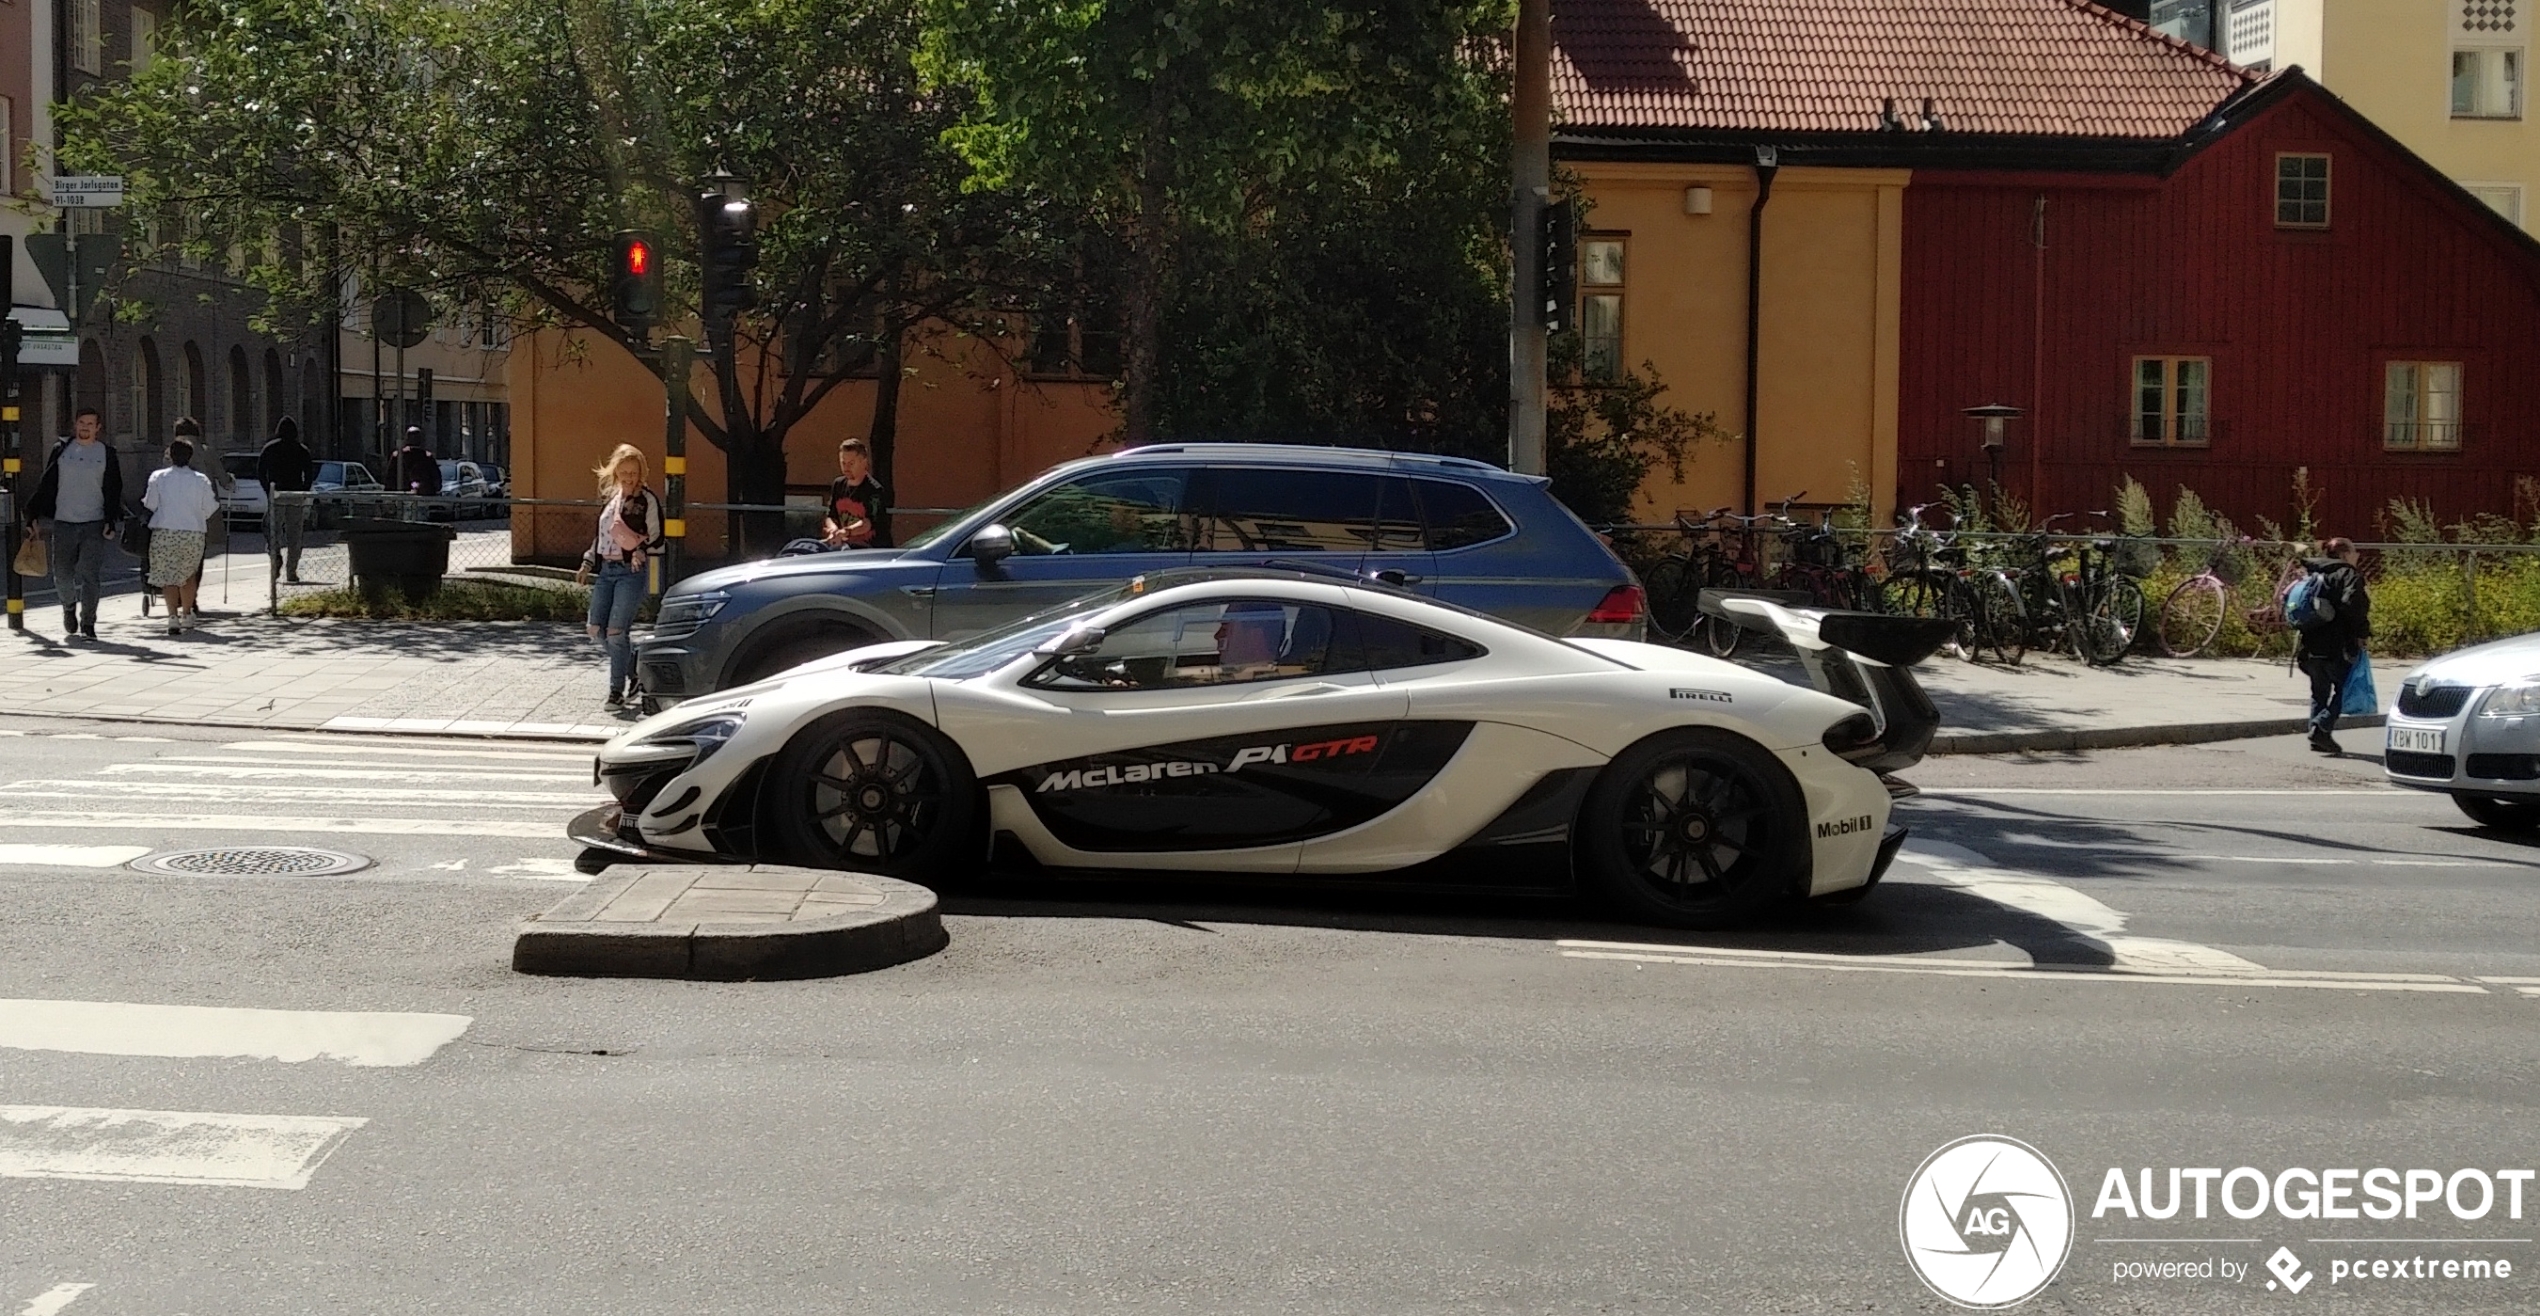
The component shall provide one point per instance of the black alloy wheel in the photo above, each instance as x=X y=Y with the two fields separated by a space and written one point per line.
x=878 y=793
x=1694 y=828
x=2505 y=814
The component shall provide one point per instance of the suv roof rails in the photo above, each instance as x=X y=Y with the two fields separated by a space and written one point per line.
x=1314 y=450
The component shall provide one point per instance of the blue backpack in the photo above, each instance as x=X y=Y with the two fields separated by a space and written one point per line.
x=2305 y=606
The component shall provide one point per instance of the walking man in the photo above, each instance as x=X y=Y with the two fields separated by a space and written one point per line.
x=81 y=497
x=413 y=469
x=2332 y=638
x=284 y=466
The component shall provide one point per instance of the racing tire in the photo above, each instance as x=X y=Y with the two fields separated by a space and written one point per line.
x=1694 y=828
x=877 y=792
x=2505 y=815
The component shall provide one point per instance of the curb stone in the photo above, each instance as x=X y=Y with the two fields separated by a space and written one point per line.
x=2185 y=733
x=730 y=923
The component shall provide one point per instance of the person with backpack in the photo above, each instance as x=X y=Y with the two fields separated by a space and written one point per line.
x=2331 y=612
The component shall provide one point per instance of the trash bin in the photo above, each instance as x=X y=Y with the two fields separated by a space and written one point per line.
x=410 y=557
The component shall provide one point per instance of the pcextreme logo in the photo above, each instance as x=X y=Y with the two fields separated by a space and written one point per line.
x=1987 y=1222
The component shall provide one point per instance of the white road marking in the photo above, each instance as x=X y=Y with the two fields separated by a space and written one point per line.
x=2369 y=861
x=364 y=1039
x=2391 y=791
x=2048 y=899
x=443 y=726
x=2261 y=977
x=206 y=794
x=260 y=770
x=72 y=856
x=538 y=869
x=2514 y=982
x=321 y=745
x=167 y=1146
x=233 y=822
x=51 y=1301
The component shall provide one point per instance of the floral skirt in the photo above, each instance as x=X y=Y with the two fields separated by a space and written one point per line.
x=174 y=556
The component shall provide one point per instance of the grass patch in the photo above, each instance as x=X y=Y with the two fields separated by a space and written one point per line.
x=458 y=600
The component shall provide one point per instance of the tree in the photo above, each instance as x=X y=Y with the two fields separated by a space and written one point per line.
x=1603 y=438
x=1221 y=144
x=488 y=151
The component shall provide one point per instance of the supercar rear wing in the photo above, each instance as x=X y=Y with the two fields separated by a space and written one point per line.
x=1866 y=658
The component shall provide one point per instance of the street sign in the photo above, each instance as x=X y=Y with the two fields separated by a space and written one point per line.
x=94 y=191
x=98 y=255
x=401 y=318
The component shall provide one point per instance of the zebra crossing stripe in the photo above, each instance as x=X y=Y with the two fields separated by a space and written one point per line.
x=364 y=1039
x=167 y=1146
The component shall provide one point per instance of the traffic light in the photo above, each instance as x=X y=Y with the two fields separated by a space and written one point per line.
x=1557 y=249
x=635 y=283
x=729 y=226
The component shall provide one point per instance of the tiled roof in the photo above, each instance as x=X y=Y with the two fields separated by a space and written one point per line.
x=2034 y=67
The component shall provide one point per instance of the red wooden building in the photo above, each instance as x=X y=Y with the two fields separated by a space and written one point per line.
x=2196 y=274
x=2221 y=321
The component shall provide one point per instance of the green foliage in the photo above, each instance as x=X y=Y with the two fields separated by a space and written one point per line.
x=1601 y=441
x=2134 y=508
x=456 y=600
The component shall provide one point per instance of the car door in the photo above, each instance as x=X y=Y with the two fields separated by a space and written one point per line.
x=1397 y=543
x=1235 y=725
x=1084 y=534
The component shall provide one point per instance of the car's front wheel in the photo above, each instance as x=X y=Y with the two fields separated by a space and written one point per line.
x=1695 y=828
x=2501 y=813
x=878 y=793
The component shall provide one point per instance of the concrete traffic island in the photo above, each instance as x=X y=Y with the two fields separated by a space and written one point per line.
x=729 y=924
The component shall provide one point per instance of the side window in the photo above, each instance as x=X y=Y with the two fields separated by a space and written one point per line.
x=1273 y=511
x=1388 y=644
x=1119 y=512
x=1230 y=643
x=1397 y=528
x=1458 y=515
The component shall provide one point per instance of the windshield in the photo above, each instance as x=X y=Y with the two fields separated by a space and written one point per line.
x=941 y=528
x=986 y=652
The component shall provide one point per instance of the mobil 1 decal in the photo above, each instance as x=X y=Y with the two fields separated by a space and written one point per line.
x=1227 y=792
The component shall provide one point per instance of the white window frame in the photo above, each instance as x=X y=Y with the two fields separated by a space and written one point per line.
x=2496 y=90
x=142 y=45
x=1601 y=359
x=88 y=36
x=2510 y=194
x=8 y=147
x=2422 y=429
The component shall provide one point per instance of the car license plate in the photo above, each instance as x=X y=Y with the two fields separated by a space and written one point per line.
x=2417 y=740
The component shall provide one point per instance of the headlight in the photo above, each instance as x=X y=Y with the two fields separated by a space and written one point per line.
x=705 y=735
x=2520 y=699
x=691 y=609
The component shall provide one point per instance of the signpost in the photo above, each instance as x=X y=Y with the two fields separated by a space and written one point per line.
x=9 y=459
x=88 y=191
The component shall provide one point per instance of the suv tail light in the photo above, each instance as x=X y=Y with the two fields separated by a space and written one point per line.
x=1622 y=604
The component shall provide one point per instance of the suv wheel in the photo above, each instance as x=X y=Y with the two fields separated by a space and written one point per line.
x=793 y=647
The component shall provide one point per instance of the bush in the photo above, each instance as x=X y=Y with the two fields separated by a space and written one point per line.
x=457 y=601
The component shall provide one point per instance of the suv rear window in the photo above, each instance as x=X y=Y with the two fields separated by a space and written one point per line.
x=1458 y=515
x=1257 y=510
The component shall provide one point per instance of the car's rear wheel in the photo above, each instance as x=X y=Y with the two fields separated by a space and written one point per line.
x=878 y=793
x=1694 y=828
x=792 y=648
x=2503 y=814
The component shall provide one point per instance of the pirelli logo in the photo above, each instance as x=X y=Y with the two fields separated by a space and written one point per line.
x=1707 y=696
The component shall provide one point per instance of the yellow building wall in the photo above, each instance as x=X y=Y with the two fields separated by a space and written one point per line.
x=968 y=428
x=1827 y=355
x=2392 y=60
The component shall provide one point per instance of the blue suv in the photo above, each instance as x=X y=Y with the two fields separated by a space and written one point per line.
x=1459 y=530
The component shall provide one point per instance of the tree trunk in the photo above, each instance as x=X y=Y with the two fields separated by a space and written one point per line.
x=755 y=473
x=1143 y=314
x=883 y=435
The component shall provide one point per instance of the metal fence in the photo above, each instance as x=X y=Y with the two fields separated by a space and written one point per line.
x=526 y=543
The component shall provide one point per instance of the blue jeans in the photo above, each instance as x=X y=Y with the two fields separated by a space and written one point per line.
x=2328 y=689
x=615 y=595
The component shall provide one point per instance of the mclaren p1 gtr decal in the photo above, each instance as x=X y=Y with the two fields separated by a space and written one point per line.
x=1234 y=791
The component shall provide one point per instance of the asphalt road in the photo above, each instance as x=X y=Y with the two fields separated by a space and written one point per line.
x=1167 y=1100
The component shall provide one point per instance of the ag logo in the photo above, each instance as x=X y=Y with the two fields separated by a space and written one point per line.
x=1986 y=1222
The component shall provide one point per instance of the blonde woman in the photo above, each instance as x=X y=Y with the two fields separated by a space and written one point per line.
x=630 y=532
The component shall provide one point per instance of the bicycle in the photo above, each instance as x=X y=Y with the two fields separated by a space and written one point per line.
x=2192 y=615
x=2103 y=600
x=1674 y=583
x=1929 y=575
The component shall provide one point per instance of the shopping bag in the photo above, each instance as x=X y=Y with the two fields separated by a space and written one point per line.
x=2361 y=699
x=32 y=561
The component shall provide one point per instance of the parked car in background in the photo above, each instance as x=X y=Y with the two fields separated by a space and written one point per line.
x=497 y=483
x=242 y=495
x=1456 y=530
x=345 y=489
x=462 y=481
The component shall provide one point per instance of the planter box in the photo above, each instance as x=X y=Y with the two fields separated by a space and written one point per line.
x=410 y=557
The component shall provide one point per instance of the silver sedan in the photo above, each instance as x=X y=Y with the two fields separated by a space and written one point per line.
x=2468 y=724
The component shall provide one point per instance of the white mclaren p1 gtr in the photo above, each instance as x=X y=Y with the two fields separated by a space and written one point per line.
x=1293 y=725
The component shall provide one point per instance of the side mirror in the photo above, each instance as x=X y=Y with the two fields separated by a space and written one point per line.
x=993 y=544
x=1074 y=642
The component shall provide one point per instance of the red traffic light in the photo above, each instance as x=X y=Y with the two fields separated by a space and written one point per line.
x=638 y=255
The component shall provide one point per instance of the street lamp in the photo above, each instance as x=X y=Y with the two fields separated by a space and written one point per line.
x=1993 y=418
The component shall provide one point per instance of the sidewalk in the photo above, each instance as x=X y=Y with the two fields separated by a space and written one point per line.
x=547 y=681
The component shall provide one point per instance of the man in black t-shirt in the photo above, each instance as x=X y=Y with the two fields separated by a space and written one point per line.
x=859 y=514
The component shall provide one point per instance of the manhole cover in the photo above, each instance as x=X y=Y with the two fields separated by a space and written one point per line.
x=252 y=861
